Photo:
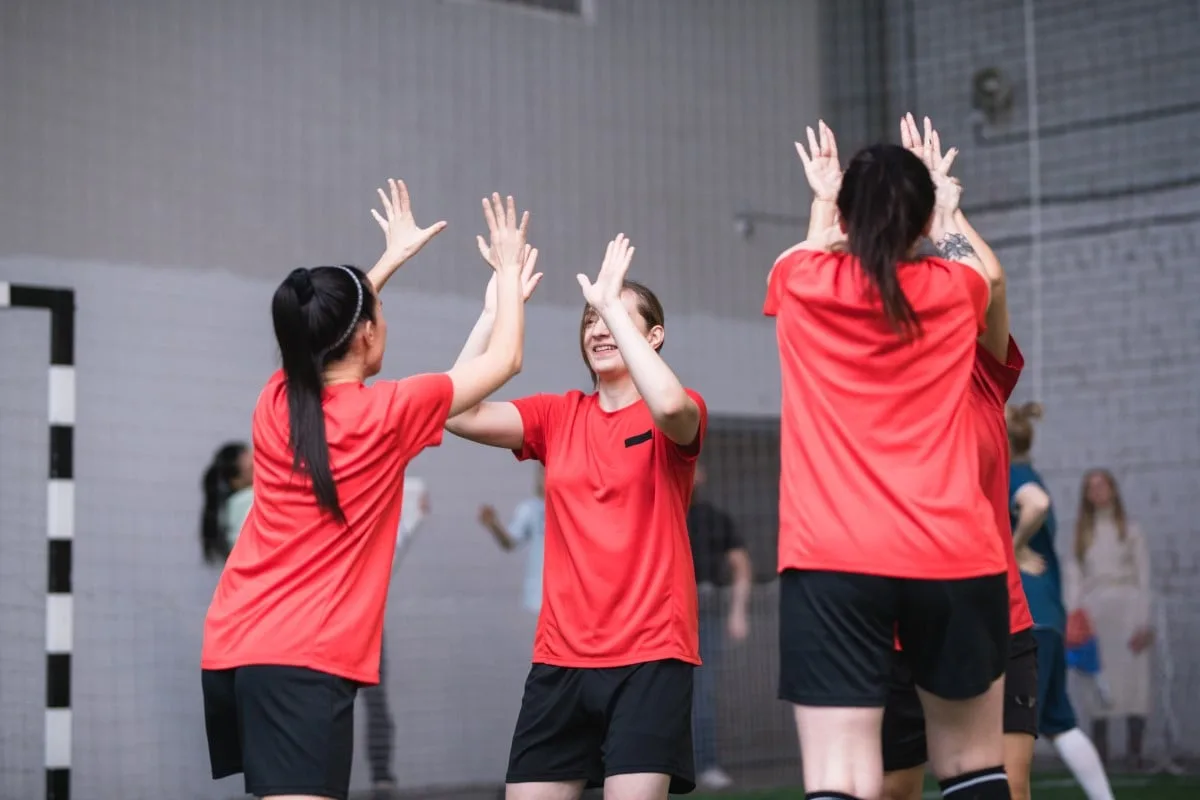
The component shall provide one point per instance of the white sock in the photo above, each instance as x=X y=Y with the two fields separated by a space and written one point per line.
x=1080 y=756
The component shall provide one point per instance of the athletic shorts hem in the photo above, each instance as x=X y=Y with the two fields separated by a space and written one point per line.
x=674 y=773
x=1030 y=734
x=825 y=701
x=1056 y=731
x=965 y=690
x=547 y=777
x=900 y=764
x=311 y=791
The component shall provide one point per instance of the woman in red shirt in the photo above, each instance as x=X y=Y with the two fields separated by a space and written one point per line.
x=296 y=621
x=609 y=696
x=994 y=374
x=884 y=527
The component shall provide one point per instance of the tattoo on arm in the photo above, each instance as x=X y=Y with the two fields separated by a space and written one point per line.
x=955 y=247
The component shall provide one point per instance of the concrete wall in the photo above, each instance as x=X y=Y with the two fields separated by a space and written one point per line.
x=250 y=137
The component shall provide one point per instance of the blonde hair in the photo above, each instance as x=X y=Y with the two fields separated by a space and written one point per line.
x=1020 y=427
x=1085 y=520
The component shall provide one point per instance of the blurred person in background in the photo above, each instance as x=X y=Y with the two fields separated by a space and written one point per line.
x=381 y=729
x=715 y=543
x=227 y=494
x=526 y=529
x=1108 y=582
x=1034 y=528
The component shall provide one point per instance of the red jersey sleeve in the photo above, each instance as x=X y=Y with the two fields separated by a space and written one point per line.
x=420 y=406
x=690 y=452
x=535 y=412
x=777 y=279
x=1002 y=376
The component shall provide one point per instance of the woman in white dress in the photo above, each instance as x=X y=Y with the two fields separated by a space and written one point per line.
x=1108 y=578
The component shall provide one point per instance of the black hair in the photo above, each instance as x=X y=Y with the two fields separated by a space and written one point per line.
x=216 y=483
x=886 y=201
x=316 y=312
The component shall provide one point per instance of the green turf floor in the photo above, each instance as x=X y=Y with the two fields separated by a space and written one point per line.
x=1046 y=786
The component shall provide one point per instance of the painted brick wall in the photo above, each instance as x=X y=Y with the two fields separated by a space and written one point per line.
x=1110 y=321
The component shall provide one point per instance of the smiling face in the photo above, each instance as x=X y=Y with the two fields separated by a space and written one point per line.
x=596 y=342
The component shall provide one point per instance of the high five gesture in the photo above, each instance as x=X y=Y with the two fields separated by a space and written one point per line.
x=823 y=169
x=929 y=150
x=821 y=165
x=607 y=288
x=403 y=238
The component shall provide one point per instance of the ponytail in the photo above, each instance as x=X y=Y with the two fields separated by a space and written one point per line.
x=886 y=201
x=315 y=313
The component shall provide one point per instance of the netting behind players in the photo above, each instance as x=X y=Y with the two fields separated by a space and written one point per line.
x=1076 y=122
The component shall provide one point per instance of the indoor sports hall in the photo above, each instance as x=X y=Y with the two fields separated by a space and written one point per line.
x=165 y=164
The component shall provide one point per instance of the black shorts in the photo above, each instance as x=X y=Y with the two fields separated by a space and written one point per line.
x=588 y=724
x=904 y=744
x=1056 y=715
x=290 y=730
x=837 y=629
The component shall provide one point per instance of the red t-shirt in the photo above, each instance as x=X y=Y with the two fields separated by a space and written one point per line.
x=618 y=584
x=992 y=383
x=299 y=588
x=879 y=458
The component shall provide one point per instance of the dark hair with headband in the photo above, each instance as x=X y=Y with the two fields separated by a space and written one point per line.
x=316 y=312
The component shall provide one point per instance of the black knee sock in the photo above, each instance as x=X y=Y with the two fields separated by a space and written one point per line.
x=982 y=784
x=829 y=796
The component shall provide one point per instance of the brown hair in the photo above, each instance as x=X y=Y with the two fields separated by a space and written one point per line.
x=1085 y=520
x=648 y=305
x=1020 y=427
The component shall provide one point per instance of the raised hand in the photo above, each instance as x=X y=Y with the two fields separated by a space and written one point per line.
x=928 y=148
x=529 y=278
x=606 y=290
x=505 y=234
x=821 y=165
x=403 y=237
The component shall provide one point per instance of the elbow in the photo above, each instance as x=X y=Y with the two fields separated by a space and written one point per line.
x=1040 y=508
x=674 y=409
x=997 y=283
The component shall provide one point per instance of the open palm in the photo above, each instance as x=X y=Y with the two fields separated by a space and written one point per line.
x=928 y=148
x=821 y=165
x=606 y=289
x=529 y=278
x=403 y=236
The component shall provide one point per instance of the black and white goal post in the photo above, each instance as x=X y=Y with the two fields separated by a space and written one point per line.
x=60 y=523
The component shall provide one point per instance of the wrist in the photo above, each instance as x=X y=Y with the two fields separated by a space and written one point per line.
x=610 y=309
